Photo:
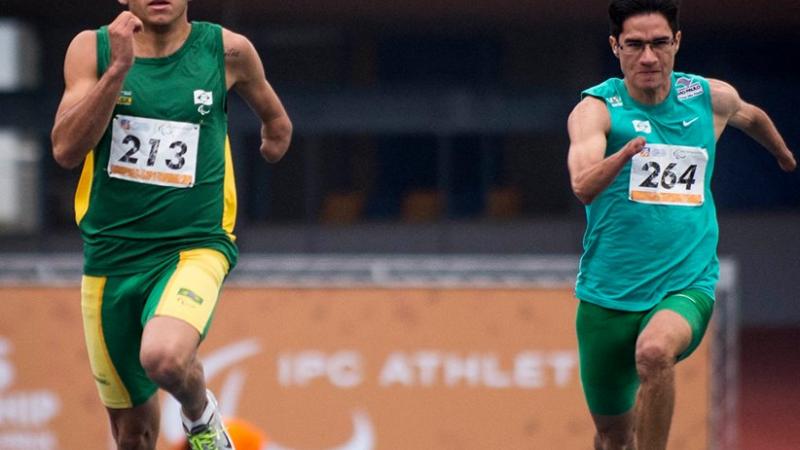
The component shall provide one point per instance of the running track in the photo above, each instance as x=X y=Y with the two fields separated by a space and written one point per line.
x=769 y=408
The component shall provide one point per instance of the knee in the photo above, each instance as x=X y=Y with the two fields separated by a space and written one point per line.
x=164 y=366
x=653 y=358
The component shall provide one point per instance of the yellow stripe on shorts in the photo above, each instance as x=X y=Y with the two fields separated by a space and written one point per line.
x=83 y=192
x=109 y=384
x=192 y=291
x=229 y=199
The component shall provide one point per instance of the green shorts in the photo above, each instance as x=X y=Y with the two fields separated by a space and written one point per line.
x=116 y=308
x=607 y=347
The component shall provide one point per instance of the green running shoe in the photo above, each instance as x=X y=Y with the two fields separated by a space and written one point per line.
x=211 y=433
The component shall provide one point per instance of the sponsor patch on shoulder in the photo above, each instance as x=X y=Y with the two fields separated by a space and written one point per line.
x=688 y=88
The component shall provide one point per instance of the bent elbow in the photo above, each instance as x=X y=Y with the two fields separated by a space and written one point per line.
x=278 y=143
x=64 y=157
x=272 y=156
x=275 y=152
x=581 y=193
x=584 y=199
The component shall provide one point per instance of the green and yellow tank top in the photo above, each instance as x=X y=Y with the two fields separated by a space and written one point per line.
x=161 y=178
x=654 y=230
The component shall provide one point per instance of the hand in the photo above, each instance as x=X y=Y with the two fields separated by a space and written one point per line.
x=633 y=147
x=120 y=35
x=787 y=162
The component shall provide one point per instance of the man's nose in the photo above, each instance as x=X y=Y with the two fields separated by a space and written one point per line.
x=648 y=55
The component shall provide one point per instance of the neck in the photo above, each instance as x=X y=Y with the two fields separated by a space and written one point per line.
x=652 y=96
x=159 y=41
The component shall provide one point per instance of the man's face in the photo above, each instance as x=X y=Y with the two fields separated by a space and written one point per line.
x=646 y=50
x=157 y=12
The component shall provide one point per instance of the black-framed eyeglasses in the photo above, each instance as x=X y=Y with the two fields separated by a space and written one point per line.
x=635 y=47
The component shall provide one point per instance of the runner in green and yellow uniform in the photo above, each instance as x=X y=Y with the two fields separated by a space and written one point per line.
x=144 y=109
x=641 y=158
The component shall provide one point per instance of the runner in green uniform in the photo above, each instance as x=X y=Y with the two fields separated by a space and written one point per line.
x=144 y=109
x=641 y=157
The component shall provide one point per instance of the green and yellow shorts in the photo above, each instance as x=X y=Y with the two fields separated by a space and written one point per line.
x=607 y=347
x=116 y=308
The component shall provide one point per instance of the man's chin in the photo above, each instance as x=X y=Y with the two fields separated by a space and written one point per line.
x=159 y=21
x=650 y=82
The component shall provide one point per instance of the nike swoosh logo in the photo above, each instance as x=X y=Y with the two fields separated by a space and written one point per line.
x=687 y=298
x=686 y=123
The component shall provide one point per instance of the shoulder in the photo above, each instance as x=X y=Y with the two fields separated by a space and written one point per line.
x=239 y=51
x=84 y=42
x=590 y=108
x=235 y=43
x=82 y=51
x=725 y=99
x=606 y=89
x=590 y=105
x=242 y=62
x=590 y=116
x=721 y=89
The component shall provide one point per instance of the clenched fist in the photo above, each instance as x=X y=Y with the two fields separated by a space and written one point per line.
x=120 y=34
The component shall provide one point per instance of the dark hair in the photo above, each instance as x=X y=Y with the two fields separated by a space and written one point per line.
x=620 y=10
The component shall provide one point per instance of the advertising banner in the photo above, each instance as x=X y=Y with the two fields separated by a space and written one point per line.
x=341 y=369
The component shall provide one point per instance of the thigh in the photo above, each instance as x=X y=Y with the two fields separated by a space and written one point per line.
x=606 y=345
x=690 y=312
x=110 y=308
x=189 y=290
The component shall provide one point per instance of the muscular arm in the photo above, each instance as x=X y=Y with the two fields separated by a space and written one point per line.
x=590 y=173
x=88 y=102
x=245 y=74
x=86 y=105
x=729 y=108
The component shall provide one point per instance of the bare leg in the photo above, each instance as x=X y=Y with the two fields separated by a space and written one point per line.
x=614 y=432
x=136 y=428
x=169 y=356
x=657 y=349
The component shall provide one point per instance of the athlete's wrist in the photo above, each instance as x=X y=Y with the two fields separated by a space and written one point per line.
x=117 y=72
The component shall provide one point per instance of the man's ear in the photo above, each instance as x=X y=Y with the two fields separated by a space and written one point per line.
x=612 y=41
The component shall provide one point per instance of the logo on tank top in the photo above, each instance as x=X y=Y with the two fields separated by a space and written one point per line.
x=688 y=123
x=205 y=99
x=688 y=88
x=642 y=126
x=615 y=101
x=125 y=98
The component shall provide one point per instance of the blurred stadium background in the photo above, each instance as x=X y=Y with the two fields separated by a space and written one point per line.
x=438 y=128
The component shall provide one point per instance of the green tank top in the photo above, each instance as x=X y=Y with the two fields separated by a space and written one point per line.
x=161 y=178
x=654 y=230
